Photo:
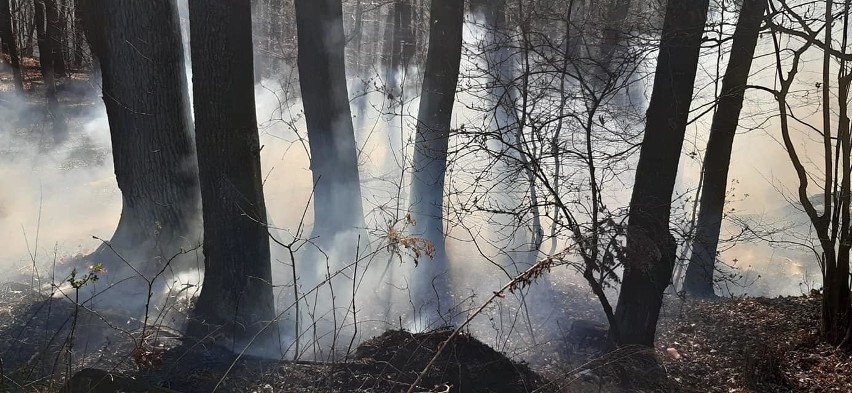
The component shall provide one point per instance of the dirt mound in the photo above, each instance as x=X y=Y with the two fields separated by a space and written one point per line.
x=466 y=363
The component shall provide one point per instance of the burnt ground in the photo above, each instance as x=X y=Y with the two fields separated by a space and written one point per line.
x=725 y=345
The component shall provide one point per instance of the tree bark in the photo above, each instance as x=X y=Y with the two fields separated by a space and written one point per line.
x=236 y=296
x=322 y=76
x=7 y=37
x=430 y=146
x=139 y=49
x=650 y=254
x=699 y=274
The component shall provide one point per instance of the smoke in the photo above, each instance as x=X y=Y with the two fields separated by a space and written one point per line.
x=53 y=198
x=54 y=195
x=761 y=178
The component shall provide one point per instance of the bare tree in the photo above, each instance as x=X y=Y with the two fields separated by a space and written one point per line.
x=650 y=253
x=699 y=274
x=236 y=297
x=441 y=76
x=322 y=76
x=153 y=155
x=829 y=209
x=46 y=60
x=54 y=36
x=10 y=45
x=557 y=143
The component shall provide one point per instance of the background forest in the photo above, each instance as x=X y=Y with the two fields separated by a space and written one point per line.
x=413 y=195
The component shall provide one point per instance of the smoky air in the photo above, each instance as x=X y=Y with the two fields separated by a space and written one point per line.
x=413 y=196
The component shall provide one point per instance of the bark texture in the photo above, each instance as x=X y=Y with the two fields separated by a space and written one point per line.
x=322 y=76
x=650 y=253
x=141 y=61
x=430 y=147
x=699 y=274
x=236 y=297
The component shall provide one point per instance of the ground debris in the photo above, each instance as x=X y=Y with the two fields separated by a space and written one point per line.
x=750 y=345
x=723 y=345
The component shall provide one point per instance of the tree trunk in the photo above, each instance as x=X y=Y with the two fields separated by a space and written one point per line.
x=430 y=147
x=260 y=15
x=612 y=34
x=45 y=53
x=399 y=43
x=10 y=46
x=388 y=40
x=836 y=324
x=153 y=155
x=699 y=274
x=322 y=76
x=404 y=35
x=31 y=32
x=650 y=254
x=236 y=296
x=47 y=60
x=54 y=37
x=577 y=22
x=79 y=36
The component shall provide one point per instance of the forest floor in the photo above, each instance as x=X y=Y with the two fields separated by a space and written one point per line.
x=724 y=345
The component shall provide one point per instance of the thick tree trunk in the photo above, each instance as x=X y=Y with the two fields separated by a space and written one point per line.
x=236 y=296
x=7 y=37
x=699 y=274
x=322 y=76
x=153 y=155
x=430 y=147
x=650 y=254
